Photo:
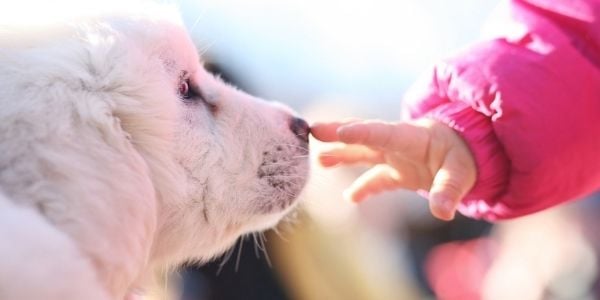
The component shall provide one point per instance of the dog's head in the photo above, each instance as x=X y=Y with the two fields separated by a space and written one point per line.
x=241 y=161
x=222 y=163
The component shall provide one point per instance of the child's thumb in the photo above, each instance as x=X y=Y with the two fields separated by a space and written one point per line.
x=451 y=183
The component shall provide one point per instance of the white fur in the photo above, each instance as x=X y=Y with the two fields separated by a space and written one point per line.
x=106 y=173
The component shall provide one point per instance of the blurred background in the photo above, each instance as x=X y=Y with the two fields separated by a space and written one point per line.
x=361 y=53
x=332 y=59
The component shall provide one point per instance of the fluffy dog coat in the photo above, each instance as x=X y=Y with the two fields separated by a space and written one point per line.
x=119 y=153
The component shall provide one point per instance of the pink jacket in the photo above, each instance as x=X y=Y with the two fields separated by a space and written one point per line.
x=528 y=105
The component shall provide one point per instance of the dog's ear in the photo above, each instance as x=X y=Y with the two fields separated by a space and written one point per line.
x=148 y=122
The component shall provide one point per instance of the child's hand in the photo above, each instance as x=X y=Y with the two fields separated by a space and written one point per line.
x=426 y=156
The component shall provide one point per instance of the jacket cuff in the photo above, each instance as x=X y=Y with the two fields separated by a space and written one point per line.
x=492 y=163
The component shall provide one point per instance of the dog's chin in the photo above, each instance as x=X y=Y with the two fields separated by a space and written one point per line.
x=283 y=198
x=281 y=192
x=264 y=222
x=282 y=174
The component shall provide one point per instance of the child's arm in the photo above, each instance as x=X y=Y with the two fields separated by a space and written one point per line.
x=527 y=104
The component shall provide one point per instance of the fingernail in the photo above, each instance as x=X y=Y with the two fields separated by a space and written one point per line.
x=328 y=161
x=445 y=206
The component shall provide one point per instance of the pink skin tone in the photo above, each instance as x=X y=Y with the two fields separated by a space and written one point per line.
x=421 y=156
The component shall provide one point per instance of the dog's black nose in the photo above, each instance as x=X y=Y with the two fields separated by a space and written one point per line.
x=300 y=128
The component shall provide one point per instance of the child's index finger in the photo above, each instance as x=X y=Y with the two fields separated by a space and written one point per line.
x=382 y=135
x=327 y=132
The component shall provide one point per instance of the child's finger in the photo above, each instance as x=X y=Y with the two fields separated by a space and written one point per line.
x=382 y=135
x=349 y=154
x=327 y=132
x=451 y=183
x=376 y=180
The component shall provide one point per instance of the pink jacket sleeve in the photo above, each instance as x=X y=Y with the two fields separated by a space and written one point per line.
x=528 y=105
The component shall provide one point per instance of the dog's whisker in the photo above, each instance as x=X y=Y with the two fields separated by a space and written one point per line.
x=284 y=177
x=239 y=255
x=197 y=21
x=264 y=249
x=202 y=51
x=275 y=174
x=306 y=149
x=259 y=243
x=293 y=145
x=166 y=279
x=276 y=164
x=280 y=235
x=255 y=242
x=226 y=258
x=289 y=194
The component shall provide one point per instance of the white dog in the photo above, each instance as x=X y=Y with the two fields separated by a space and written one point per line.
x=119 y=153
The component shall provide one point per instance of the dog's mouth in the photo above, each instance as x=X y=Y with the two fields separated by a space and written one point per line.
x=283 y=174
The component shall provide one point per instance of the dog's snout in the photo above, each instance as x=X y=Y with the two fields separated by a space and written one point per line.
x=300 y=128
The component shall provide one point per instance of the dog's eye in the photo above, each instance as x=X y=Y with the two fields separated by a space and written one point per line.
x=188 y=92
x=192 y=94
x=184 y=89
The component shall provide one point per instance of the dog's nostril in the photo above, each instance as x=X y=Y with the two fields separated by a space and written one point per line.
x=300 y=128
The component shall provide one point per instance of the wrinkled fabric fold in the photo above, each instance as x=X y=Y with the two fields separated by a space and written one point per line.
x=527 y=103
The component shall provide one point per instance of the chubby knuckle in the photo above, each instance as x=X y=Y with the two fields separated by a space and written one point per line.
x=453 y=186
x=453 y=191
